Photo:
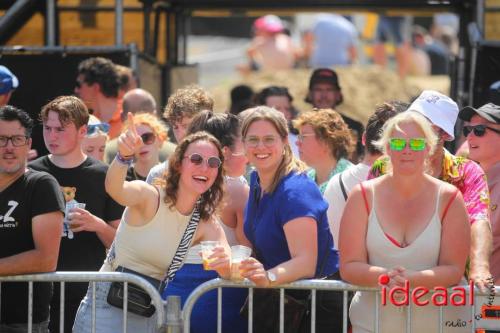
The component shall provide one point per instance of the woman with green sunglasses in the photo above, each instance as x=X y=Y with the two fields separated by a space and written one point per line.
x=406 y=227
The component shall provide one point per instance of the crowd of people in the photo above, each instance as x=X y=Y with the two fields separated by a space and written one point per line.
x=329 y=39
x=314 y=194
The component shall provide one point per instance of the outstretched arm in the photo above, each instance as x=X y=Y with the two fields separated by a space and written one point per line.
x=127 y=193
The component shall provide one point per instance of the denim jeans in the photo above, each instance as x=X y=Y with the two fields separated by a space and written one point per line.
x=109 y=319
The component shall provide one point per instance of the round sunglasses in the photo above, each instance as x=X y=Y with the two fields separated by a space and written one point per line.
x=148 y=138
x=415 y=144
x=479 y=130
x=213 y=161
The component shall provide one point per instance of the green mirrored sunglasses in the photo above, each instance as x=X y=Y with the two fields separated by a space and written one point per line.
x=398 y=144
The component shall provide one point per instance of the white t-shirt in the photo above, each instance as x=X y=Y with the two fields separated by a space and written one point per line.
x=336 y=201
x=156 y=172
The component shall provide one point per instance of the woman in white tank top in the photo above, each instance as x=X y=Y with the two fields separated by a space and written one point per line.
x=226 y=128
x=405 y=227
x=155 y=220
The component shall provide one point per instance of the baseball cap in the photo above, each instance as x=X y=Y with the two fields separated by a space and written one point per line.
x=269 y=23
x=326 y=75
x=490 y=112
x=441 y=110
x=8 y=81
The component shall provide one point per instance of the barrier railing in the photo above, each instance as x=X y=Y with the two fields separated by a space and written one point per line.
x=170 y=319
x=92 y=277
x=314 y=285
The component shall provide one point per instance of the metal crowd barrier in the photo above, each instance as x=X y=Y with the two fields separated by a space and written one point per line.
x=314 y=285
x=92 y=277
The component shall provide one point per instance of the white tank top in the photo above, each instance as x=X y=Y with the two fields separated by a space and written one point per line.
x=421 y=254
x=149 y=249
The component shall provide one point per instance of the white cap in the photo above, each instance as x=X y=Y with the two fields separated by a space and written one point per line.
x=441 y=110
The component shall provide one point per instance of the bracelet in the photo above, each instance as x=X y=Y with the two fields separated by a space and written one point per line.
x=124 y=160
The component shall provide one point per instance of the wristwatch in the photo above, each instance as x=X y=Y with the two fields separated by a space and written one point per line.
x=271 y=276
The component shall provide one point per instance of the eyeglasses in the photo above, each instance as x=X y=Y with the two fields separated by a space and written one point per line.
x=398 y=144
x=212 y=162
x=17 y=140
x=148 y=138
x=253 y=141
x=91 y=129
x=301 y=137
x=479 y=130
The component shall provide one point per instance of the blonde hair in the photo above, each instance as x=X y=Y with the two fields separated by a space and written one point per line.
x=288 y=163
x=330 y=128
x=407 y=117
x=153 y=122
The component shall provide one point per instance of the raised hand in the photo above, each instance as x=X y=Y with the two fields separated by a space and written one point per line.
x=129 y=142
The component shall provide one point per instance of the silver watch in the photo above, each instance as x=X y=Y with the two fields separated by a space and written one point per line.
x=271 y=276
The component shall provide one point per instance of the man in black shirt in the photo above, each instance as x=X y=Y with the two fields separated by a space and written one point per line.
x=89 y=231
x=31 y=220
x=325 y=93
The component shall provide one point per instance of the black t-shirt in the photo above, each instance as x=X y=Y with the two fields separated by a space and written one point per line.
x=32 y=194
x=82 y=251
x=133 y=175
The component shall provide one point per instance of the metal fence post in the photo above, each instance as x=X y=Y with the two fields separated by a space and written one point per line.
x=174 y=314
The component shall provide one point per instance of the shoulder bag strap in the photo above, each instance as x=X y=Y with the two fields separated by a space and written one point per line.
x=182 y=249
x=342 y=187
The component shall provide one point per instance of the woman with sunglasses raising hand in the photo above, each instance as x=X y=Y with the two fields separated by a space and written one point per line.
x=405 y=228
x=153 y=134
x=156 y=219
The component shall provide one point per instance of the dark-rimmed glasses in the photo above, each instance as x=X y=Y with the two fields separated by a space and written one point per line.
x=213 y=162
x=415 y=144
x=17 y=140
x=479 y=130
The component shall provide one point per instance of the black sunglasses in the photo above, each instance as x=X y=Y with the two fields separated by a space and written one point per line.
x=148 y=138
x=213 y=161
x=479 y=130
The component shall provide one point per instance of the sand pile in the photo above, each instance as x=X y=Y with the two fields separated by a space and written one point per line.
x=363 y=87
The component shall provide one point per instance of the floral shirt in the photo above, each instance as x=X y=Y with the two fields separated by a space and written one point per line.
x=465 y=174
x=342 y=164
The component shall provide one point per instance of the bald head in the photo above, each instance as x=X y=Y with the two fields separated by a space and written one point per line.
x=138 y=100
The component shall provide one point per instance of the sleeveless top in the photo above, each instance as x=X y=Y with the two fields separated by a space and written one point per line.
x=421 y=254
x=148 y=249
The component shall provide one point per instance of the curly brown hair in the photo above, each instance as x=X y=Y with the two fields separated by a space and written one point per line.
x=330 y=128
x=211 y=199
x=187 y=102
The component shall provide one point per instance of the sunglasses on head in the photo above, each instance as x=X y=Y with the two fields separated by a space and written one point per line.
x=103 y=127
x=479 y=130
x=212 y=162
x=148 y=138
x=398 y=144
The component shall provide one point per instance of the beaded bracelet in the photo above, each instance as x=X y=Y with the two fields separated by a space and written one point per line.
x=125 y=160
